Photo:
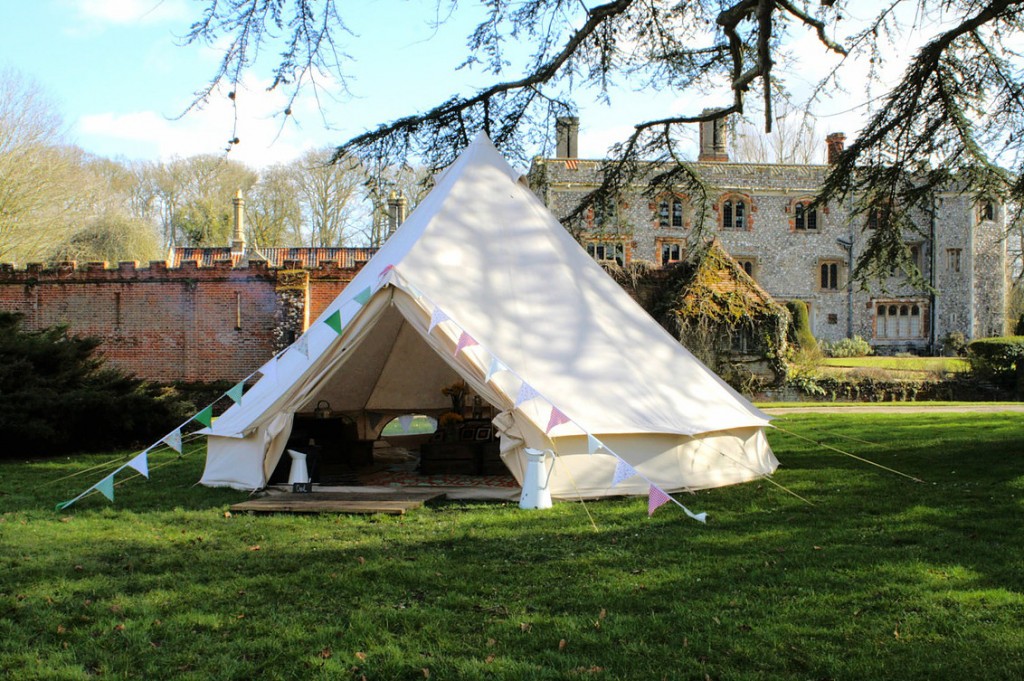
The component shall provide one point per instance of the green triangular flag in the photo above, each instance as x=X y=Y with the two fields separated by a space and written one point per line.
x=334 y=321
x=205 y=417
x=363 y=296
x=236 y=393
x=106 y=487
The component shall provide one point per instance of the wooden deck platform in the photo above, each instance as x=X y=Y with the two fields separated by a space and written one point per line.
x=392 y=503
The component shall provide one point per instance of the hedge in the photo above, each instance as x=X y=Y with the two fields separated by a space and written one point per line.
x=997 y=359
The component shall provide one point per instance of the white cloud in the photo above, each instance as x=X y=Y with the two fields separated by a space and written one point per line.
x=262 y=140
x=130 y=11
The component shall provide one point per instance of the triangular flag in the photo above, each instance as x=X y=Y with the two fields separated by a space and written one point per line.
x=385 y=271
x=623 y=471
x=593 y=444
x=557 y=419
x=173 y=440
x=495 y=366
x=405 y=421
x=205 y=417
x=235 y=393
x=363 y=296
x=269 y=370
x=302 y=344
x=106 y=487
x=334 y=321
x=655 y=498
x=374 y=419
x=140 y=463
x=526 y=393
x=465 y=340
x=436 y=317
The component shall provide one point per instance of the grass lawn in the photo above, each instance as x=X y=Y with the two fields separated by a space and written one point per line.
x=882 y=578
x=943 y=365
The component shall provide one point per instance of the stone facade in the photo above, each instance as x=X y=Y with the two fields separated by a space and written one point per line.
x=759 y=214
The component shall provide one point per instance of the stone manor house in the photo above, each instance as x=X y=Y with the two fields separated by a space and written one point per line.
x=761 y=215
x=217 y=314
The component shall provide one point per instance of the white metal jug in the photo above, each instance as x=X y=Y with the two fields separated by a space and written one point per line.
x=536 y=493
x=298 y=472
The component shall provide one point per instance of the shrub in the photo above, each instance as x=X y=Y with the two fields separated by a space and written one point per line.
x=996 y=359
x=800 y=326
x=954 y=344
x=847 y=347
x=56 y=396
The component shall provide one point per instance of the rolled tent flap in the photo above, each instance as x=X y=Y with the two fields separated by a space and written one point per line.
x=246 y=463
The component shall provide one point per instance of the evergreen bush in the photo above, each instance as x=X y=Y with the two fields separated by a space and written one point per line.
x=800 y=326
x=996 y=359
x=57 y=397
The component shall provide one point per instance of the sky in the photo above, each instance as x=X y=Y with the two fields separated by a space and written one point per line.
x=122 y=79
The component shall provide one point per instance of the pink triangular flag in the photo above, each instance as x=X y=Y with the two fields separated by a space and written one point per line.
x=557 y=419
x=526 y=393
x=465 y=340
x=623 y=471
x=593 y=444
x=655 y=498
x=436 y=317
x=384 y=271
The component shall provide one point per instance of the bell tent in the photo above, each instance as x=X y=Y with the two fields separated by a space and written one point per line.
x=482 y=283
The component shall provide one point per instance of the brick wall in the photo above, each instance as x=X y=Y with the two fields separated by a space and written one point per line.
x=175 y=324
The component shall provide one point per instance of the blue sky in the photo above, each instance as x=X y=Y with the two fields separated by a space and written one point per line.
x=119 y=75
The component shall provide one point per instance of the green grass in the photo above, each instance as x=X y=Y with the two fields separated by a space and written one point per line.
x=946 y=365
x=883 y=405
x=880 y=578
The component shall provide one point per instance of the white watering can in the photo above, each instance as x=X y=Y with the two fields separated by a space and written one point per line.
x=536 y=493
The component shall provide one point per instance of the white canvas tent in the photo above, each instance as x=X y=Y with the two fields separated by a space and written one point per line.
x=481 y=259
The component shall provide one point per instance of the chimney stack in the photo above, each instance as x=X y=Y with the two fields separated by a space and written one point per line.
x=397 y=206
x=835 y=143
x=238 y=237
x=567 y=133
x=712 y=140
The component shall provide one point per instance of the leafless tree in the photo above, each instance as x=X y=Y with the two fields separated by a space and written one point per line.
x=35 y=170
x=794 y=139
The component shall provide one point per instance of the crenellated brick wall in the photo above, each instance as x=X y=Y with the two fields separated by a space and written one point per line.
x=189 y=323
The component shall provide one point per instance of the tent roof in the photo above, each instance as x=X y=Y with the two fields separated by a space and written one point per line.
x=484 y=250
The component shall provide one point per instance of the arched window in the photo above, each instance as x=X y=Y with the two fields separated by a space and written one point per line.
x=736 y=210
x=677 y=213
x=671 y=213
x=806 y=218
x=987 y=211
x=829 y=280
x=671 y=251
x=740 y=213
x=903 y=328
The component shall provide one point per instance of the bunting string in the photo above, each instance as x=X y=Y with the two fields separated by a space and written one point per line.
x=557 y=417
x=176 y=439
